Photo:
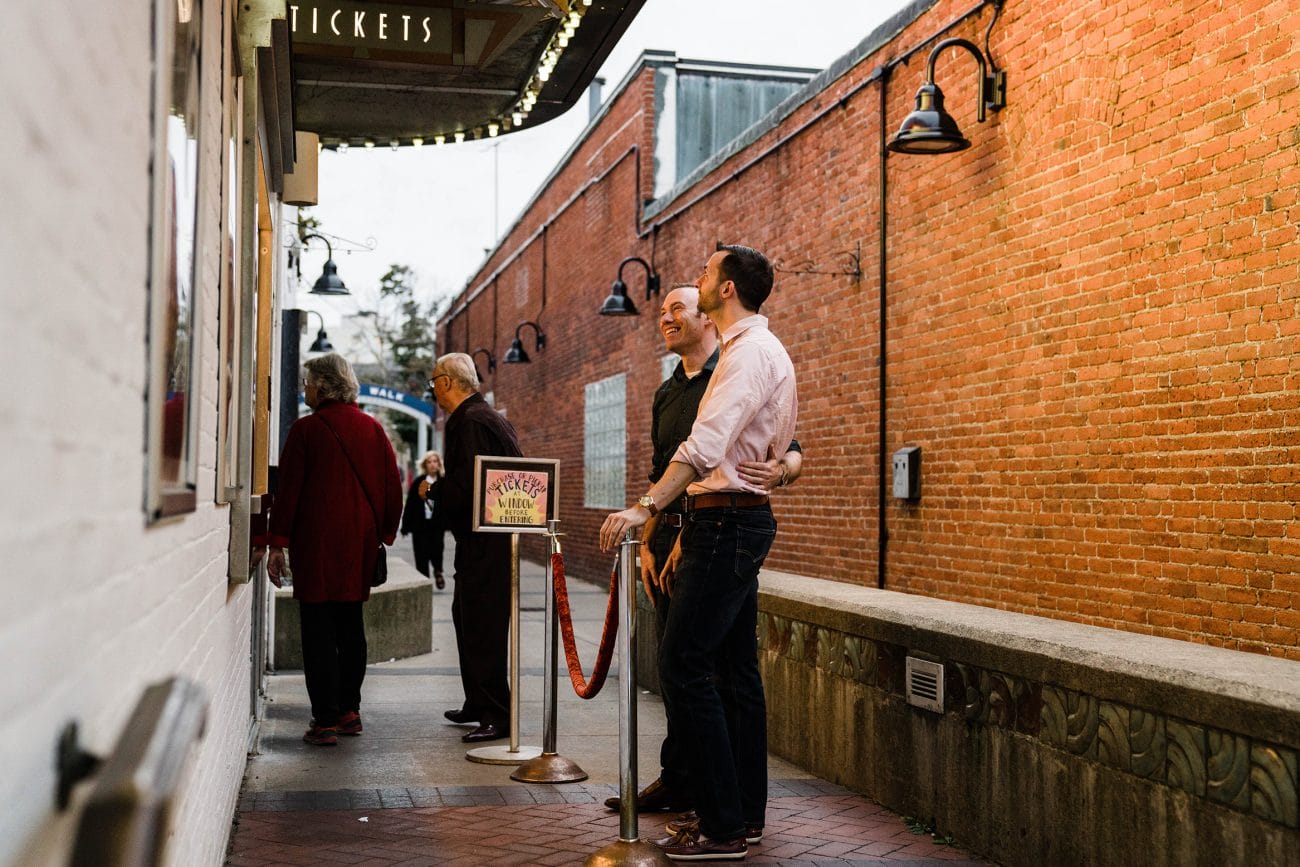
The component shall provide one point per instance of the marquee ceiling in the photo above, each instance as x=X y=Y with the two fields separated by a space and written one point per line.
x=411 y=72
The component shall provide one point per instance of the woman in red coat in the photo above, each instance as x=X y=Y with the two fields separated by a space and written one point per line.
x=339 y=495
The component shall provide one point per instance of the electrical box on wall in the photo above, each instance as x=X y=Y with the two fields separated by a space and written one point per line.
x=907 y=473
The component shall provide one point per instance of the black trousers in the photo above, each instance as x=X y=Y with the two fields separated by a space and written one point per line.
x=333 y=657
x=480 y=611
x=428 y=545
x=674 y=759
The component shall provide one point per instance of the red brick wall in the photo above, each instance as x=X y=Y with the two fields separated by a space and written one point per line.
x=1092 y=325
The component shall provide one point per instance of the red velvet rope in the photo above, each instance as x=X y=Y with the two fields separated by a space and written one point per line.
x=583 y=687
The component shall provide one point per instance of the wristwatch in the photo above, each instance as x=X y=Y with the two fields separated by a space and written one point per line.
x=648 y=503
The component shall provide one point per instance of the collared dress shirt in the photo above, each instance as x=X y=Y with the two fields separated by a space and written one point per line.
x=748 y=411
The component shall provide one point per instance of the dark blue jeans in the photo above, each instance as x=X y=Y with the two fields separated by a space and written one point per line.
x=711 y=639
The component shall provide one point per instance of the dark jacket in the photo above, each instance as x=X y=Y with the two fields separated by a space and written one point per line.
x=474 y=428
x=323 y=515
x=413 y=520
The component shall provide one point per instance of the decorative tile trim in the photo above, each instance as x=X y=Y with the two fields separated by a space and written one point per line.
x=860 y=659
x=1146 y=738
x=1185 y=761
x=1112 y=746
x=1227 y=778
x=1227 y=768
x=1273 y=785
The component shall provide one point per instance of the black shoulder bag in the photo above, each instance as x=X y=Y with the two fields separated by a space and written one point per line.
x=380 y=575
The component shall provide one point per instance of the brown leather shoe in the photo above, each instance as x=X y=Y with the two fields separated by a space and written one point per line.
x=687 y=845
x=691 y=821
x=655 y=798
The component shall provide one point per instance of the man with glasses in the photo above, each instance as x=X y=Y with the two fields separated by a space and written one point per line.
x=480 y=605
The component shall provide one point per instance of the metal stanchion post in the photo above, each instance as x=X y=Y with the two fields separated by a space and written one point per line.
x=514 y=754
x=628 y=849
x=549 y=767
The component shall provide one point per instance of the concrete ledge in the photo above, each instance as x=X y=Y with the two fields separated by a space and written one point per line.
x=398 y=618
x=1058 y=743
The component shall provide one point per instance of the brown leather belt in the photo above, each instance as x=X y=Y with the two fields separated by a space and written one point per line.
x=672 y=519
x=724 y=501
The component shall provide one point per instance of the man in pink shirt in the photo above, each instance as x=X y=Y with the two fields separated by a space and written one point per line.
x=747 y=413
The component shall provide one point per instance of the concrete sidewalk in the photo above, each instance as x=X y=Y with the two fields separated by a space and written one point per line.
x=404 y=792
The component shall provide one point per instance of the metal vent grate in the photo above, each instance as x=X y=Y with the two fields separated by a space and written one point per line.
x=925 y=684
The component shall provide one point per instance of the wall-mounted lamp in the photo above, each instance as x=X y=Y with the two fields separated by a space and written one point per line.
x=618 y=304
x=516 y=354
x=931 y=130
x=322 y=341
x=328 y=283
x=491 y=359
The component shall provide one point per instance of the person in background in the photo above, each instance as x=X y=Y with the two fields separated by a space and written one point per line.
x=691 y=336
x=480 y=604
x=422 y=518
x=339 y=496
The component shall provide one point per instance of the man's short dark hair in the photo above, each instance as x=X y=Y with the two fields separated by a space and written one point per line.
x=750 y=271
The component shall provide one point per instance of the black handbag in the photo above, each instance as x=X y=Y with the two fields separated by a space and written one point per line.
x=380 y=574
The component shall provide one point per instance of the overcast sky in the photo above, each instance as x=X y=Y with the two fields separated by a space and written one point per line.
x=438 y=209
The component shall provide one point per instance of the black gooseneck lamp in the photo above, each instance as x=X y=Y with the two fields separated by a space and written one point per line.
x=618 y=304
x=491 y=360
x=516 y=353
x=322 y=341
x=329 y=282
x=929 y=129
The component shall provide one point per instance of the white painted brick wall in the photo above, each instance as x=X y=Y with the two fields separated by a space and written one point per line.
x=94 y=605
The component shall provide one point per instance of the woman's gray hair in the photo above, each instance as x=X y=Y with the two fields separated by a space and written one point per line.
x=460 y=367
x=333 y=378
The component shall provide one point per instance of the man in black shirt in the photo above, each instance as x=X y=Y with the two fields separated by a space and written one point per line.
x=480 y=606
x=690 y=335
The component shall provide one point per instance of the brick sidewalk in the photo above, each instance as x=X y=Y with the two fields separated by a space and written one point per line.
x=808 y=822
x=403 y=793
